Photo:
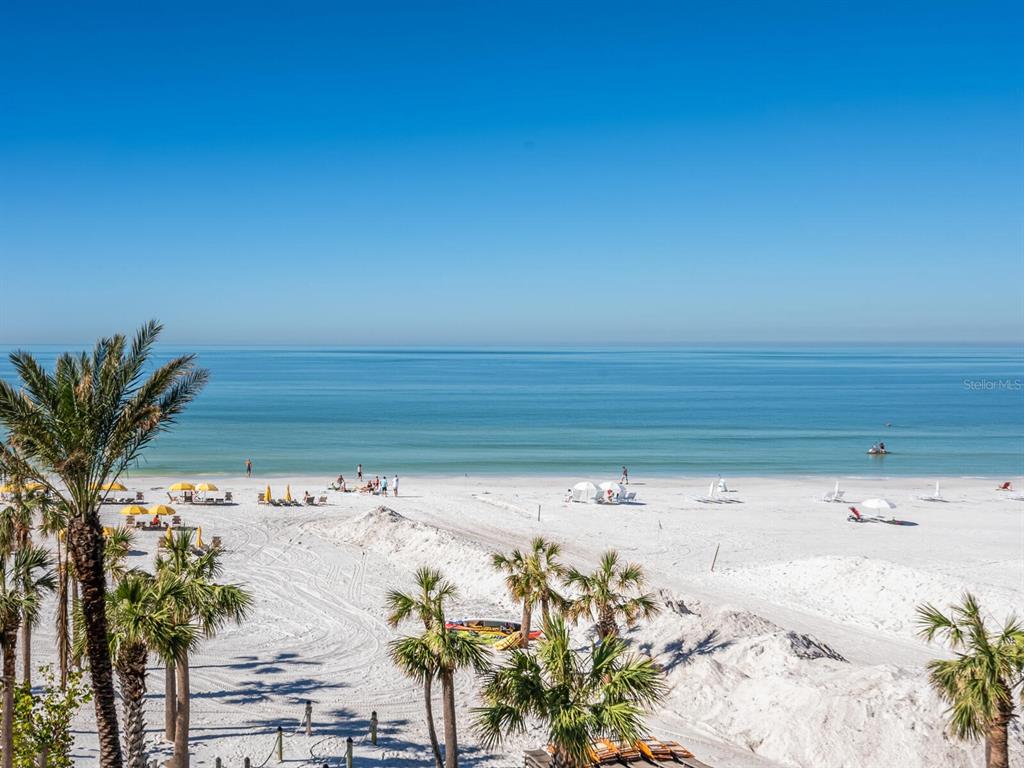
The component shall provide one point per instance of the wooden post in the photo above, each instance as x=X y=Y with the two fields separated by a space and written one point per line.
x=309 y=718
x=216 y=762
x=538 y=513
x=280 y=744
x=246 y=763
x=715 y=560
x=373 y=727
x=348 y=752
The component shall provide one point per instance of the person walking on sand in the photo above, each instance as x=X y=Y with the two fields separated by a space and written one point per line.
x=625 y=475
x=394 y=486
x=359 y=473
x=384 y=486
x=248 y=467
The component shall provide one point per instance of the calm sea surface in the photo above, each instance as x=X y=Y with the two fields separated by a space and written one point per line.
x=941 y=411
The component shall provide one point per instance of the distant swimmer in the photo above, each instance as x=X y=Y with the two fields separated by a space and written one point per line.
x=248 y=468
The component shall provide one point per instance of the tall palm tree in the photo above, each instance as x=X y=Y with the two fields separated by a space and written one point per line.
x=55 y=523
x=142 y=614
x=83 y=424
x=611 y=593
x=578 y=698
x=979 y=683
x=438 y=651
x=16 y=522
x=205 y=603
x=24 y=575
x=413 y=658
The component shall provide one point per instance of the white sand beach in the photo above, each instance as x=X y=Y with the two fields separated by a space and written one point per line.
x=798 y=650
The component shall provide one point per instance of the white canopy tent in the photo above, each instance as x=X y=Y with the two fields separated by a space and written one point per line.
x=585 y=492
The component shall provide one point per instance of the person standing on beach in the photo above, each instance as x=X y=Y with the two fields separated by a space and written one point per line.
x=248 y=467
x=359 y=473
x=394 y=485
x=625 y=475
x=384 y=486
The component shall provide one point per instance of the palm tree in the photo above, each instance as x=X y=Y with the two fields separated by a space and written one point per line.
x=16 y=522
x=521 y=581
x=611 y=593
x=55 y=523
x=24 y=575
x=413 y=658
x=205 y=603
x=115 y=552
x=83 y=424
x=438 y=651
x=550 y=572
x=578 y=698
x=979 y=683
x=531 y=578
x=142 y=615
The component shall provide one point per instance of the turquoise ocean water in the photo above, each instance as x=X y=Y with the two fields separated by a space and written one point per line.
x=952 y=411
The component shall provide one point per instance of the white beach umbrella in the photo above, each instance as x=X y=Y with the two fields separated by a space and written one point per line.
x=878 y=504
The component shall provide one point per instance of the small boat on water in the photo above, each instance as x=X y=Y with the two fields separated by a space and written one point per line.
x=494 y=631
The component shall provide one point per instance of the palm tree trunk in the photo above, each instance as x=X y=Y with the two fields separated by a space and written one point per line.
x=10 y=639
x=63 y=644
x=428 y=695
x=524 y=627
x=87 y=549
x=545 y=611
x=131 y=674
x=996 y=742
x=76 y=659
x=170 y=699
x=26 y=653
x=606 y=626
x=451 y=735
x=181 y=757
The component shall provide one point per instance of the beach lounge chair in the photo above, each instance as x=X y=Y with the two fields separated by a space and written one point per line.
x=176 y=521
x=215 y=543
x=227 y=497
x=1007 y=486
x=626 y=752
x=601 y=754
x=261 y=498
x=654 y=750
x=322 y=499
x=679 y=752
x=855 y=516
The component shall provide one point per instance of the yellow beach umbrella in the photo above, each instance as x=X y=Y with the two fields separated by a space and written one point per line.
x=134 y=509
x=12 y=488
x=288 y=493
x=266 y=493
x=113 y=487
x=161 y=510
x=199 y=538
x=182 y=487
x=207 y=487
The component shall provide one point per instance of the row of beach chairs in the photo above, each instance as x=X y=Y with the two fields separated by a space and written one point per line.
x=189 y=497
x=311 y=502
x=124 y=498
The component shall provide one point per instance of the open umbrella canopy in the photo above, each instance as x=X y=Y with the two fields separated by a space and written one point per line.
x=110 y=487
x=134 y=509
x=14 y=488
x=878 y=504
x=161 y=509
x=182 y=487
x=207 y=487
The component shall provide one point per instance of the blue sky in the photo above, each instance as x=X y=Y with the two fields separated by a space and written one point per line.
x=447 y=173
